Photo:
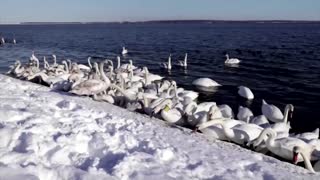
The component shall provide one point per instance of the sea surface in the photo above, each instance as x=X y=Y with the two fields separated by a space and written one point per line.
x=280 y=61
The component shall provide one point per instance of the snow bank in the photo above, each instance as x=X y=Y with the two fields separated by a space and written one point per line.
x=49 y=135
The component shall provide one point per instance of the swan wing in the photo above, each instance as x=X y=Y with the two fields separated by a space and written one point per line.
x=84 y=67
x=245 y=92
x=172 y=116
x=205 y=82
x=272 y=112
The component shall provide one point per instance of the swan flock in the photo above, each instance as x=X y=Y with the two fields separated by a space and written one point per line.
x=137 y=89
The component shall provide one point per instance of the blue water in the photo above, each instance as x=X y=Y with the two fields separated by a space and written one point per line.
x=280 y=61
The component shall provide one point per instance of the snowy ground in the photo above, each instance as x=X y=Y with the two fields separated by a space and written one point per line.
x=48 y=135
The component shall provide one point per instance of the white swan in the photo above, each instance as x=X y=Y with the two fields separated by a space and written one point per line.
x=260 y=120
x=305 y=154
x=201 y=113
x=54 y=60
x=128 y=66
x=146 y=104
x=205 y=82
x=282 y=147
x=92 y=86
x=149 y=77
x=168 y=112
x=184 y=62
x=226 y=111
x=308 y=135
x=232 y=60
x=185 y=93
x=84 y=67
x=245 y=92
x=244 y=114
x=3 y=41
x=52 y=79
x=33 y=57
x=124 y=51
x=274 y=114
x=167 y=65
x=236 y=131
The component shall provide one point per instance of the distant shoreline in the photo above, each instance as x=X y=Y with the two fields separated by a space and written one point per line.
x=168 y=21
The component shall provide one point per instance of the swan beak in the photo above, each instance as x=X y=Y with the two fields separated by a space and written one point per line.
x=195 y=130
x=167 y=108
x=295 y=158
x=152 y=114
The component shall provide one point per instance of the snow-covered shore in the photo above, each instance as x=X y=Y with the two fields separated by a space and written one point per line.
x=50 y=135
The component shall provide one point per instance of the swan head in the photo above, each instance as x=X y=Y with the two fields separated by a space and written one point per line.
x=296 y=151
x=17 y=62
x=145 y=69
x=290 y=107
x=264 y=102
x=54 y=56
x=267 y=132
x=174 y=84
x=166 y=108
x=213 y=109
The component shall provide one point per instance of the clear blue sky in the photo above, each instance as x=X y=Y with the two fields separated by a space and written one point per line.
x=13 y=11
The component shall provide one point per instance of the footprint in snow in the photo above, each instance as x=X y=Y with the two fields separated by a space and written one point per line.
x=68 y=105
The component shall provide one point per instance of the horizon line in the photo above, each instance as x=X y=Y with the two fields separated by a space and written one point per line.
x=150 y=21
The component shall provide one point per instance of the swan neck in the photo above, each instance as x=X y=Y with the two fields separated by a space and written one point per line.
x=146 y=76
x=229 y=133
x=286 y=114
x=18 y=66
x=145 y=101
x=54 y=60
x=121 y=91
x=104 y=77
x=306 y=160
x=185 y=60
x=89 y=63
x=131 y=74
x=37 y=61
x=45 y=63
x=66 y=66
x=118 y=65
x=271 y=139
x=175 y=90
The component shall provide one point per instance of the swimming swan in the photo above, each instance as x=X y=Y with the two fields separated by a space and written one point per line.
x=232 y=60
x=124 y=51
x=244 y=114
x=245 y=92
x=274 y=114
x=205 y=82
x=167 y=65
x=184 y=62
